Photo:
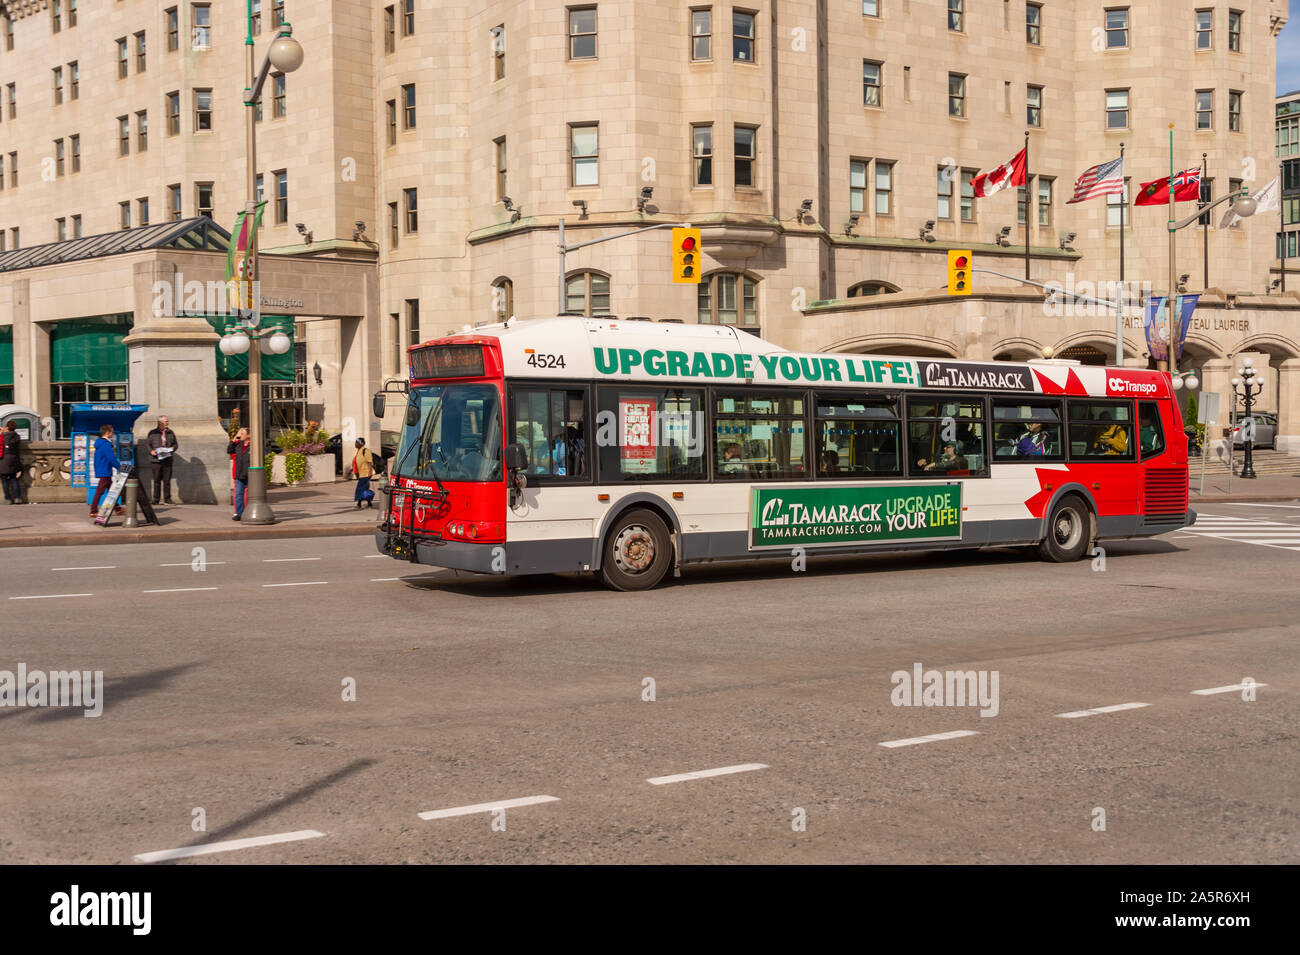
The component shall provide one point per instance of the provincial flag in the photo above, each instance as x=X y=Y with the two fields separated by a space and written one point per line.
x=238 y=281
x=1104 y=179
x=1187 y=188
x=1267 y=199
x=1010 y=173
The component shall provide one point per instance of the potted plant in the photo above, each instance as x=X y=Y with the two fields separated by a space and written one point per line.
x=301 y=458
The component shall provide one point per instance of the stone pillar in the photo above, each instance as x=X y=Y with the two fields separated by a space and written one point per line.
x=1288 y=406
x=173 y=369
x=31 y=354
x=324 y=402
x=1216 y=378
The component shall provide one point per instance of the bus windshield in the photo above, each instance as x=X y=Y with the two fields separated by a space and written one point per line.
x=451 y=433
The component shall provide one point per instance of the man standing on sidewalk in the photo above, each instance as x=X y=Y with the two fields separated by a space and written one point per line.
x=11 y=464
x=239 y=449
x=162 y=445
x=105 y=464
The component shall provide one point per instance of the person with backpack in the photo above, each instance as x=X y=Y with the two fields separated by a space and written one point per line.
x=363 y=466
x=11 y=464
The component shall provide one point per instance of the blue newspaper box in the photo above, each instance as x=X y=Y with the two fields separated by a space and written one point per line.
x=87 y=419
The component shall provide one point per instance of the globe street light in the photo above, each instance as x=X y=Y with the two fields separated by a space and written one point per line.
x=1246 y=387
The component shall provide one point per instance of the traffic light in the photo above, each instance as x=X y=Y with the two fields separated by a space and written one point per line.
x=960 y=264
x=686 y=255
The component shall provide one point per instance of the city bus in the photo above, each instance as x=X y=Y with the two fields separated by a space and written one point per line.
x=630 y=449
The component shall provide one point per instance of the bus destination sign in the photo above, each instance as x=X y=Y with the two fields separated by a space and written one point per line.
x=447 y=361
x=804 y=516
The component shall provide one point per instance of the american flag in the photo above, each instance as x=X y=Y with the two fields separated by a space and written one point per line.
x=1106 y=179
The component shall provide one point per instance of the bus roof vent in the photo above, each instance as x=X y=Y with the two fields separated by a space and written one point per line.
x=638 y=318
x=672 y=321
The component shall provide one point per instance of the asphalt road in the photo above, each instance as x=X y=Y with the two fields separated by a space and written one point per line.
x=223 y=691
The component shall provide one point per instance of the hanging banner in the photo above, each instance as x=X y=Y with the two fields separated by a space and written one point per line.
x=239 y=266
x=1156 y=324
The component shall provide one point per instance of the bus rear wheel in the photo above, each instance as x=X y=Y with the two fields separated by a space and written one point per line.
x=637 y=552
x=1067 y=531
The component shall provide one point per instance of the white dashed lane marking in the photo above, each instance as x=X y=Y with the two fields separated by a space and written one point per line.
x=285 y=560
x=49 y=596
x=486 y=807
x=177 y=590
x=706 y=773
x=932 y=738
x=1116 y=708
x=164 y=855
x=301 y=583
x=1235 y=688
x=190 y=563
x=102 y=567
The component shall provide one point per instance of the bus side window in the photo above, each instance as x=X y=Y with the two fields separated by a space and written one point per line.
x=1151 y=433
x=550 y=424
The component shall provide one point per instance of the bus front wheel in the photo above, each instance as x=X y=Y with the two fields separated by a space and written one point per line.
x=637 y=552
x=1067 y=531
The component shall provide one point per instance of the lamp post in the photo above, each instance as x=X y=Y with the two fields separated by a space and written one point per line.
x=285 y=54
x=1246 y=387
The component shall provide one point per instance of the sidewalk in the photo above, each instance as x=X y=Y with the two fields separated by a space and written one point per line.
x=1278 y=479
x=322 y=510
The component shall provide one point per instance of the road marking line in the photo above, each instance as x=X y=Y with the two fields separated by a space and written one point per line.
x=1101 y=709
x=1291 y=506
x=101 y=567
x=163 y=855
x=48 y=596
x=285 y=560
x=933 y=737
x=190 y=563
x=372 y=556
x=377 y=580
x=705 y=773
x=486 y=807
x=1226 y=689
x=302 y=583
x=177 y=590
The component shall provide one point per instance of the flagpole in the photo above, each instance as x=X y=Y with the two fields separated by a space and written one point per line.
x=1123 y=211
x=1029 y=204
x=1281 y=218
x=1172 y=363
x=1205 y=224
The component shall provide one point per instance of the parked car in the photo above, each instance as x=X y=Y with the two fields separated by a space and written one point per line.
x=387 y=447
x=1265 y=431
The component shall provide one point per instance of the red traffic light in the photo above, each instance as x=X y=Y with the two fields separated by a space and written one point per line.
x=960 y=262
x=688 y=244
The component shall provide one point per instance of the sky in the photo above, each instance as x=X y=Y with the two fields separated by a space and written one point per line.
x=1288 y=58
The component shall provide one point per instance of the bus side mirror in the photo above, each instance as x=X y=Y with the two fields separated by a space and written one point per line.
x=516 y=458
x=377 y=404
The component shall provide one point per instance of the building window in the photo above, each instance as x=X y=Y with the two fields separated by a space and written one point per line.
x=871 y=83
x=1034 y=23
x=957 y=16
x=9 y=32
x=13 y=174
x=1045 y=185
x=746 y=149
x=1205 y=109
x=1117 y=208
x=413 y=321
x=1234 y=111
x=408 y=106
x=174 y=200
x=1287 y=245
x=587 y=293
x=584 y=151
x=943 y=192
x=74 y=80
x=173 y=113
x=278 y=107
x=124 y=215
x=202 y=111
x=60 y=229
x=1205 y=195
x=13 y=100
x=76 y=226
x=74 y=142
x=140 y=63
x=123 y=136
x=1116 y=28
x=871 y=288
x=499 y=52
x=258 y=192
x=728 y=298
x=412 y=210
x=257 y=17
x=142 y=207
x=203 y=194
x=871 y=8
x=1117 y=109
x=858 y=185
x=742 y=35
x=1288 y=136
x=392 y=225
x=56 y=15
x=1234 y=31
x=582 y=33
x=390 y=29
x=72 y=13
x=141 y=131
x=1290 y=210
x=702 y=154
x=58 y=85
x=957 y=94
x=201 y=21
x=277 y=13
x=702 y=34
x=408 y=17
x=968 y=194
x=1020 y=205
x=391 y=109
x=884 y=187
x=281 y=196
x=1034 y=105
x=500 y=145
x=1204 y=29
x=503 y=298
x=58 y=157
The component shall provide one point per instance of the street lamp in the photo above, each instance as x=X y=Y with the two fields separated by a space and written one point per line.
x=1246 y=387
x=285 y=54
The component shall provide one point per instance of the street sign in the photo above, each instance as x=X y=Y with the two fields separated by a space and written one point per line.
x=1207 y=412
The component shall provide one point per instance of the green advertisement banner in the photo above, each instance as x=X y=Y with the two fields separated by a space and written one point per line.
x=811 y=516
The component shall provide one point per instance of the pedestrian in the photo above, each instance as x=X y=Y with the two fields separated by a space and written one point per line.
x=106 y=463
x=11 y=464
x=363 y=466
x=238 y=449
x=162 y=445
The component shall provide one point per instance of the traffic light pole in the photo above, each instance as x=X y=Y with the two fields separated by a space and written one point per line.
x=1119 y=316
x=566 y=249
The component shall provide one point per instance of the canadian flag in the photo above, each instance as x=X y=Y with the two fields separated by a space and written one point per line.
x=1010 y=173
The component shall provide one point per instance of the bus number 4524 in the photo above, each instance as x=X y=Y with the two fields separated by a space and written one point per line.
x=545 y=361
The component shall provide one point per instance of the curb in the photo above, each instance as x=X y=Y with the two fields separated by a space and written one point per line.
x=165 y=536
x=1235 y=499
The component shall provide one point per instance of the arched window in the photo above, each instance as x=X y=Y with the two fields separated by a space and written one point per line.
x=587 y=293
x=871 y=288
x=728 y=298
x=503 y=298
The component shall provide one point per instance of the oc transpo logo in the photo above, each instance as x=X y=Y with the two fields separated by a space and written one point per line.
x=1123 y=386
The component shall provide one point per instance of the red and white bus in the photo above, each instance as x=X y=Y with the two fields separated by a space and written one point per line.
x=632 y=448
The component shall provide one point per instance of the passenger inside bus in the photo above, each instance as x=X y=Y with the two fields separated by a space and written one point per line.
x=1111 y=438
x=947 y=460
x=730 y=459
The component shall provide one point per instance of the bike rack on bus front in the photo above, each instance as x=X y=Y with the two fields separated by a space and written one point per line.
x=400 y=543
